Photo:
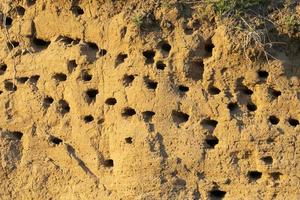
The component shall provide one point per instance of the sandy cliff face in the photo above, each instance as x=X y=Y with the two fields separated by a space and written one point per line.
x=143 y=100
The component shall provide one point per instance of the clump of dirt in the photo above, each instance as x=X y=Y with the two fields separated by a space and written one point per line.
x=149 y=99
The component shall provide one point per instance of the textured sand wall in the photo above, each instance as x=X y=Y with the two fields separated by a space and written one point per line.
x=97 y=102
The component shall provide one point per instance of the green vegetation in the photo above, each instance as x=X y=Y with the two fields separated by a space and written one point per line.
x=232 y=7
x=137 y=20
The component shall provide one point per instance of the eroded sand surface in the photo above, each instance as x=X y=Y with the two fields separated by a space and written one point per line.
x=99 y=103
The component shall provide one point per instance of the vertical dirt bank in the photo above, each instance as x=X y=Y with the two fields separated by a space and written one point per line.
x=148 y=100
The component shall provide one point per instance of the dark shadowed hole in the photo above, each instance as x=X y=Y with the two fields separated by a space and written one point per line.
x=111 y=101
x=262 y=74
x=267 y=160
x=128 y=140
x=93 y=46
x=20 y=10
x=165 y=47
x=22 y=80
x=275 y=175
x=209 y=46
x=195 y=70
x=209 y=123
x=179 y=117
x=120 y=59
x=101 y=121
x=91 y=95
x=55 y=140
x=10 y=86
x=30 y=2
x=217 y=194
x=251 y=107
x=59 y=77
x=17 y=135
x=43 y=44
x=108 y=163
x=246 y=91
x=254 y=175
x=72 y=65
x=148 y=115
x=102 y=52
x=88 y=118
x=183 y=88
x=150 y=84
x=3 y=68
x=8 y=21
x=211 y=141
x=76 y=10
x=160 y=65
x=47 y=101
x=63 y=107
x=128 y=112
x=270 y=140
x=273 y=120
x=12 y=44
x=232 y=106
x=274 y=93
x=213 y=90
x=34 y=79
x=149 y=55
x=127 y=80
x=85 y=76
x=293 y=122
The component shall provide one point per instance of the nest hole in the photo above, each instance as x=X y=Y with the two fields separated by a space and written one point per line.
x=12 y=44
x=91 y=95
x=40 y=43
x=293 y=122
x=8 y=21
x=267 y=160
x=64 y=107
x=254 y=175
x=214 y=90
x=273 y=120
x=10 y=86
x=108 y=163
x=111 y=101
x=47 y=101
x=160 y=65
x=3 y=68
x=150 y=84
x=59 y=77
x=262 y=74
x=217 y=194
x=149 y=56
x=148 y=115
x=128 y=112
x=22 y=80
x=127 y=80
x=128 y=140
x=77 y=11
x=55 y=140
x=20 y=10
x=88 y=118
x=179 y=117
x=251 y=107
x=121 y=59
x=72 y=65
x=34 y=79
x=232 y=106
x=183 y=88
x=211 y=141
